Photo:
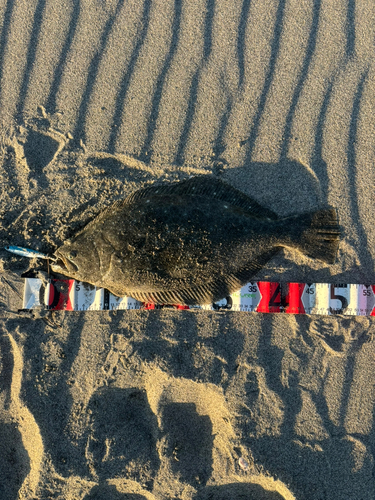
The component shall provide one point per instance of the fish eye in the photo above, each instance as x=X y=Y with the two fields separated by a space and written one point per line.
x=72 y=254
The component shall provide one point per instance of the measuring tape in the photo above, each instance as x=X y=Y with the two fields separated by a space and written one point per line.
x=257 y=296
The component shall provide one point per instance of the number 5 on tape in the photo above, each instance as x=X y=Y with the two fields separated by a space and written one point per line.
x=330 y=299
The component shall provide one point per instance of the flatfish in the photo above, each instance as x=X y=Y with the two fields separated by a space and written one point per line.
x=189 y=242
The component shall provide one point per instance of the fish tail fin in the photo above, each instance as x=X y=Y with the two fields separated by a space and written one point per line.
x=322 y=237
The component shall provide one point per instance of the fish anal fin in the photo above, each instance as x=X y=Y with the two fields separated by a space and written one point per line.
x=212 y=291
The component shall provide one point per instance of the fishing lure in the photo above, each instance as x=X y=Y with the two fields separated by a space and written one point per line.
x=28 y=252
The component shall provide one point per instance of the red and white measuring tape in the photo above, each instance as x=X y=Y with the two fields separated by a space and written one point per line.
x=259 y=296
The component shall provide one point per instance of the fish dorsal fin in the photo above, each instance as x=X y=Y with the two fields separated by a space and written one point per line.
x=95 y=222
x=208 y=187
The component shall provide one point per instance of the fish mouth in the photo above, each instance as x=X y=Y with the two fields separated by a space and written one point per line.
x=63 y=265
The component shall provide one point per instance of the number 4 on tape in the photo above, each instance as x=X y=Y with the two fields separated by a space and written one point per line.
x=258 y=296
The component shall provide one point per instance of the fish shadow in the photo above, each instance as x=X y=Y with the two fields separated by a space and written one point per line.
x=287 y=187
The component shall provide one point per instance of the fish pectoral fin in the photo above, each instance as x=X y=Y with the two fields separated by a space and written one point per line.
x=208 y=187
x=212 y=291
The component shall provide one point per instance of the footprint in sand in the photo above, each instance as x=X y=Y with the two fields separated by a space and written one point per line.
x=40 y=149
x=137 y=440
x=15 y=462
x=189 y=442
x=36 y=146
x=122 y=437
x=26 y=154
x=109 y=492
x=235 y=491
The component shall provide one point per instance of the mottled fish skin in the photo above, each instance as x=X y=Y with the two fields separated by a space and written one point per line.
x=192 y=242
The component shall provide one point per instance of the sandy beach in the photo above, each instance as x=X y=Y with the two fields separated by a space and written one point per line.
x=99 y=98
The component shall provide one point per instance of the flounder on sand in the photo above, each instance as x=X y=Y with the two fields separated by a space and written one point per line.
x=189 y=242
